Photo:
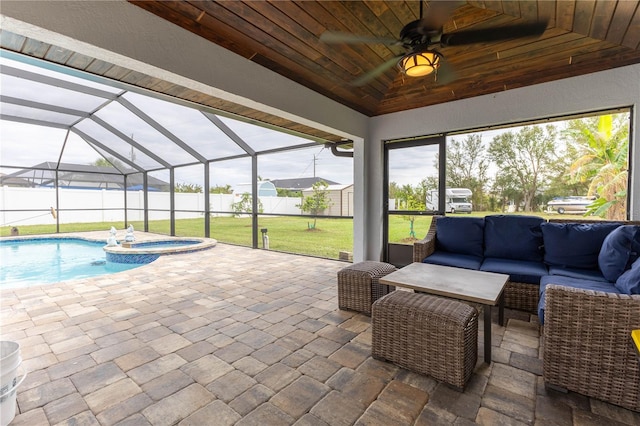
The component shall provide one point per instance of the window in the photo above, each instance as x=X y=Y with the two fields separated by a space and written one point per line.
x=577 y=165
x=569 y=166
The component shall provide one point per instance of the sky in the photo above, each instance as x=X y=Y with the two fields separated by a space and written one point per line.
x=28 y=145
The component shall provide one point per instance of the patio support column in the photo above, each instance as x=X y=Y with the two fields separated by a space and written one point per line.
x=373 y=171
x=254 y=201
x=172 y=202
x=360 y=208
x=207 y=204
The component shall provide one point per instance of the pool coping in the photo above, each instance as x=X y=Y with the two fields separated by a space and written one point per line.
x=203 y=244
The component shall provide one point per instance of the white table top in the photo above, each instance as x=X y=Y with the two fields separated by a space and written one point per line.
x=464 y=284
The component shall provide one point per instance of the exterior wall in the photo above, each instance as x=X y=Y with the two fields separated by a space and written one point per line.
x=347 y=201
x=340 y=200
x=335 y=201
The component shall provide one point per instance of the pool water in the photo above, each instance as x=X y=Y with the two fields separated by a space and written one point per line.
x=30 y=262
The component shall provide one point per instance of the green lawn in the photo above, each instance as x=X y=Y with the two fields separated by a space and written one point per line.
x=288 y=234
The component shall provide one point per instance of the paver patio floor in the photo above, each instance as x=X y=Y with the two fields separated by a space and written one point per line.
x=235 y=336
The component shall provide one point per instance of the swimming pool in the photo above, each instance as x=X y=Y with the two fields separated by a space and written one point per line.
x=32 y=261
x=36 y=261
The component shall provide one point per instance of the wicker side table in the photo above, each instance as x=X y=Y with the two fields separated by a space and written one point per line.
x=426 y=334
x=358 y=285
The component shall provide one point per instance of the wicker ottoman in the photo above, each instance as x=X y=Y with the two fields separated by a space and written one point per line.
x=358 y=285
x=426 y=334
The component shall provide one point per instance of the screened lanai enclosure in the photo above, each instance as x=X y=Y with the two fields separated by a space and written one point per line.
x=81 y=152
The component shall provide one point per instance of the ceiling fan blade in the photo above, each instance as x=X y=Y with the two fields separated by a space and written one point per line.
x=437 y=13
x=493 y=34
x=446 y=73
x=337 y=37
x=379 y=70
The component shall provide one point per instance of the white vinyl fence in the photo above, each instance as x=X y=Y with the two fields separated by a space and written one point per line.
x=33 y=205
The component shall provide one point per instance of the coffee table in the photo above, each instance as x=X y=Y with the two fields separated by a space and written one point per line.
x=462 y=284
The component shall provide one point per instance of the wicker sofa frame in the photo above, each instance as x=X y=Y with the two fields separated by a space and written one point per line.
x=588 y=347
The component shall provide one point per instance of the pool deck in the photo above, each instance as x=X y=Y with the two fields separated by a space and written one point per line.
x=235 y=336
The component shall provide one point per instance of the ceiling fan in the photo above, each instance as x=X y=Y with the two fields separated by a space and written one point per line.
x=420 y=38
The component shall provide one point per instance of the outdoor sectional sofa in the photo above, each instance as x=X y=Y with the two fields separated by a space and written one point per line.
x=581 y=277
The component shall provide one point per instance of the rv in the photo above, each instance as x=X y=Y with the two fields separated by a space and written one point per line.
x=457 y=200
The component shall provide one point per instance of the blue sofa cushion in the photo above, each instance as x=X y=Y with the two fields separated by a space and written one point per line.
x=460 y=235
x=629 y=281
x=521 y=271
x=583 y=274
x=465 y=261
x=619 y=250
x=574 y=245
x=513 y=237
x=604 y=286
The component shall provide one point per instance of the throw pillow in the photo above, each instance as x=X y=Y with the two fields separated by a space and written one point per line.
x=462 y=235
x=615 y=254
x=629 y=282
x=513 y=237
x=574 y=245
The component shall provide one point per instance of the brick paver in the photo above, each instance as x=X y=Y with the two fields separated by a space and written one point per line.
x=234 y=336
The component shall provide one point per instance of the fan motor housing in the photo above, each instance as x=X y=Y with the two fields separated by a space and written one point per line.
x=414 y=34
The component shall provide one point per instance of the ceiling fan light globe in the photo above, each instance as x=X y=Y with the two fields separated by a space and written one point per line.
x=419 y=64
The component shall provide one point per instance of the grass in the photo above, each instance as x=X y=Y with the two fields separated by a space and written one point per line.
x=287 y=234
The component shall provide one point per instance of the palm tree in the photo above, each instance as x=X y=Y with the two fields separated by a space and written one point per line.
x=601 y=145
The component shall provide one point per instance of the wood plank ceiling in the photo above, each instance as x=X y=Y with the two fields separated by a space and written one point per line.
x=581 y=37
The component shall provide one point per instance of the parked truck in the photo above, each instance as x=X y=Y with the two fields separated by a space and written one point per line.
x=458 y=200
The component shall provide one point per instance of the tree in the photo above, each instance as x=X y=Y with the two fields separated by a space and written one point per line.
x=245 y=205
x=602 y=147
x=525 y=160
x=317 y=202
x=412 y=198
x=294 y=193
x=188 y=188
x=109 y=162
x=467 y=166
x=393 y=192
x=226 y=189
x=505 y=190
